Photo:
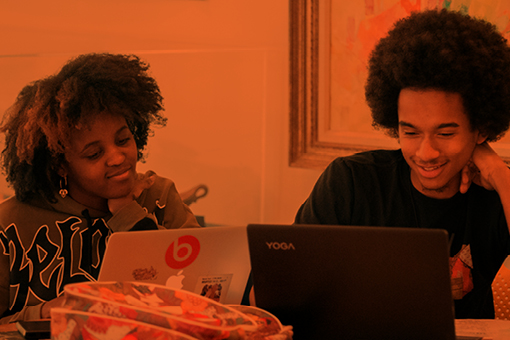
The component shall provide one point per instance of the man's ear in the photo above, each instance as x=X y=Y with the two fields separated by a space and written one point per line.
x=481 y=138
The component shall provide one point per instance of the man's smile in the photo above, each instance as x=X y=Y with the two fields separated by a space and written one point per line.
x=430 y=171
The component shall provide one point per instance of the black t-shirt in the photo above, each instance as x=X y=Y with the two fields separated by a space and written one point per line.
x=374 y=189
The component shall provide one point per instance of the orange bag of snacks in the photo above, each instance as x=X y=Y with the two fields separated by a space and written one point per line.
x=131 y=310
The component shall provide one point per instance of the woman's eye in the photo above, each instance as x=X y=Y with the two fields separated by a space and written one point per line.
x=93 y=156
x=124 y=141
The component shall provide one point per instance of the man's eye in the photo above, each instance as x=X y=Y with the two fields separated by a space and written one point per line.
x=446 y=134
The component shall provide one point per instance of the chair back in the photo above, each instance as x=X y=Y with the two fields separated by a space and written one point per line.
x=501 y=291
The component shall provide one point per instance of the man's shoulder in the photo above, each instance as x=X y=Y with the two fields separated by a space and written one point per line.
x=375 y=158
x=366 y=168
x=480 y=194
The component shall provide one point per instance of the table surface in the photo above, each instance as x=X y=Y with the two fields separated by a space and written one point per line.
x=488 y=329
x=8 y=327
x=10 y=332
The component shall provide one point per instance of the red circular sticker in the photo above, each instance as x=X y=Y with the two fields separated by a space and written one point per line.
x=183 y=252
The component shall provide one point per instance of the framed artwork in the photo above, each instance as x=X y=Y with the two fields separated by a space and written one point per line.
x=330 y=43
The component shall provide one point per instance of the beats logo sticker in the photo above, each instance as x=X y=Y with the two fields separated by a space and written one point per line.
x=183 y=252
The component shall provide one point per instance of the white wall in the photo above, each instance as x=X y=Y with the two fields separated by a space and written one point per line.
x=222 y=66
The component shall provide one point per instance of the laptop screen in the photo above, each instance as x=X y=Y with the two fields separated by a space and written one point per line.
x=354 y=282
x=213 y=261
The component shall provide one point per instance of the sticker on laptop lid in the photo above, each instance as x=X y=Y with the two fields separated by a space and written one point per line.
x=214 y=287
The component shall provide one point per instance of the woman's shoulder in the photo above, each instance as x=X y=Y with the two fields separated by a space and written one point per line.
x=13 y=211
x=12 y=204
x=163 y=195
x=162 y=185
x=161 y=192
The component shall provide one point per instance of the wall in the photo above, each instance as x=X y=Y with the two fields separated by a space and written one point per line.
x=222 y=66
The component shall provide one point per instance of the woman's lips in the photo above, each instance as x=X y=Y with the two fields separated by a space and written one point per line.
x=120 y=175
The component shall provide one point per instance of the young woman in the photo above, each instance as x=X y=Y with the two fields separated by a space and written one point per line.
x=72 y=143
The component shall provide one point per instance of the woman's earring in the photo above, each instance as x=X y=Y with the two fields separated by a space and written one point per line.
x=63 y=187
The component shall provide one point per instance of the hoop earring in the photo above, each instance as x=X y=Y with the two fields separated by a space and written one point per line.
x=63 y=187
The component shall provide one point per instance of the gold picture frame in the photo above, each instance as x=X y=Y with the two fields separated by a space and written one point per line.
x=310 y=25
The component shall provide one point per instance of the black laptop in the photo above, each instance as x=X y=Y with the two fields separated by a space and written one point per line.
x=346 y=282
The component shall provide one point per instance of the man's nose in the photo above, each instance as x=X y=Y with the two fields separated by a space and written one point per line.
x=427 y=149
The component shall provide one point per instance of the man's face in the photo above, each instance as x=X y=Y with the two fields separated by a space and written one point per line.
x=436 y=139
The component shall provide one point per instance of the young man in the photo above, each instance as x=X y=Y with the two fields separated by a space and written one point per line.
x=440 y=83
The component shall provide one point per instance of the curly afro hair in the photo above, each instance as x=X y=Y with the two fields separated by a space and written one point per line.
x=447 y=51
x=38 y=126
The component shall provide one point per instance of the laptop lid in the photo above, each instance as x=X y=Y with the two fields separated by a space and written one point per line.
x=332 y=282
x=212 y=261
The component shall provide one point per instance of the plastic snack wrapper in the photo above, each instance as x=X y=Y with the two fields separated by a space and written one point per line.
x=132 y=310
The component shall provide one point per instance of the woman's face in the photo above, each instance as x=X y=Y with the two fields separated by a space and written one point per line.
x=101 y=161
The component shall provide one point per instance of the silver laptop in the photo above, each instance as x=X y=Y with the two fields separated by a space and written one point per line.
x=342 y=282
x=213 y=261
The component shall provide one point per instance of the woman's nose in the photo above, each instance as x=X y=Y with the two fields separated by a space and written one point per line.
x=115 y=157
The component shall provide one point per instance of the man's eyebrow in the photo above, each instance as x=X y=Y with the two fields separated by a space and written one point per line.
x=440 y=126
x=448 y=125
x=405 y=124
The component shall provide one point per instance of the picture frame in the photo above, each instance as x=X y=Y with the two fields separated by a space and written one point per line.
x=329 y=54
